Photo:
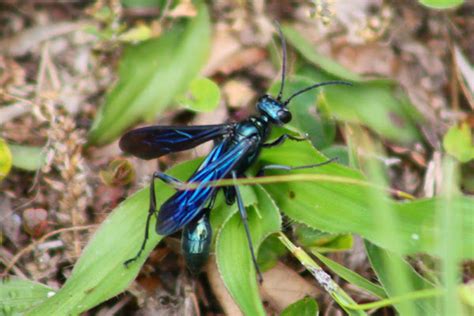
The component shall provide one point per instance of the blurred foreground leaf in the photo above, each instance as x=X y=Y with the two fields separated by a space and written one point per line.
x=398 y=278
x=151 y=75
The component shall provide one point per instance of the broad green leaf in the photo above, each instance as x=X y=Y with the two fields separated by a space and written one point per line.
x=17 y=295
x=203 y=95
x=5 y=159
x=352 y=277
x=458 y=142
x=441 y=4
x=398 y=278
x=222 y=212
x=233 y=255
x=375 y=105
x=27 y=157
x=346 y=208
x=100 y=274
x=152 y=74
x=307 y=50
x=304 y=307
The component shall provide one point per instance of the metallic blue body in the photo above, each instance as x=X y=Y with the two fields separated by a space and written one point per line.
x=237 y=150
x=196 y=242
x=237 y=147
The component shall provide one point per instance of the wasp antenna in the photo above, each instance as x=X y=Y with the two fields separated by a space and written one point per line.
x=314 y=86
x=283 y=63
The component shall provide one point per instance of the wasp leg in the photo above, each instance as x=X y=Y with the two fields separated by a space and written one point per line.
x=262 y=170
x=280 y=140
x=175 y=183
x=243 y=215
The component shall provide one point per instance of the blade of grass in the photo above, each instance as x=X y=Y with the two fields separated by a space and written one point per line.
x=352 y=277
x=396 y=277
x=324 y=279
x=449 y=218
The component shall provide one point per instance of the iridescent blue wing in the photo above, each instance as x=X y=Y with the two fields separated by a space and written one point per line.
x=183 y=206
x=155 y=141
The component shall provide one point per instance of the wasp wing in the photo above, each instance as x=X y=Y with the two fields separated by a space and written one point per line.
x=183 y=206
x=155 y=141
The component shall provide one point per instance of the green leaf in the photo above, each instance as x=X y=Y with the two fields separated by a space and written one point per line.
x=458 y=142
x=203 y=95
x=304 y=307
x=100 y=274
x=441 y=4
x=142 y=3
x=318 y=241
x=398 y=278
x=449 y=218
x=320 y=127
x=141 y=32
x=466 y=293
x=352 y=277
x=270 y=251
x=375 y=105
x=307 y=50
x=233 y=255
x=152 y=74
x=17 y=295
x=27 y=157
x=339 y=151
x=5 y=159
x=346 y=208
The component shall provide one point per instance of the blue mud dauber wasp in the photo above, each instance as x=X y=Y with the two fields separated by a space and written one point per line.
x=236 y=148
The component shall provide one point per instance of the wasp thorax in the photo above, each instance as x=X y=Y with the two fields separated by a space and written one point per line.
x=274 y=110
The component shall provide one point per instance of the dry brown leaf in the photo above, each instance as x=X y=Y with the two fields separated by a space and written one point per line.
x=282 y=286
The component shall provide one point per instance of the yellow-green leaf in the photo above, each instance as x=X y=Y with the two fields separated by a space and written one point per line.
x=5 y=159
x=458 y=142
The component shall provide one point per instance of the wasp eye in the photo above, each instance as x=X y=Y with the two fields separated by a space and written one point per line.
x=284 y=116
